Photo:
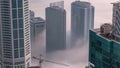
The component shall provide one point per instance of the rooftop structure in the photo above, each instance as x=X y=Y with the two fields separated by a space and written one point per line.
x=106 y=31
x=59 y=4
x=37 y=19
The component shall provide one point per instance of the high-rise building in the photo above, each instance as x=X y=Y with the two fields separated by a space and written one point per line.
x=55 y=27
x=82 y=20
x=37 y=24
x=104 y=48
x=116 y=18
x=15 y=33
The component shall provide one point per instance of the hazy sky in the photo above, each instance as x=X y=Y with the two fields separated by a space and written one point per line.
x=103 y=10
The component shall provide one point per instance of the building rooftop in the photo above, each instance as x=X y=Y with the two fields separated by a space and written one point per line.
x=37 y=19
x=82 y=4
x=106 y=31
x=57 y=5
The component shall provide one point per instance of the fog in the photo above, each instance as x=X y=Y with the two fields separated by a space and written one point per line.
x=76 y=57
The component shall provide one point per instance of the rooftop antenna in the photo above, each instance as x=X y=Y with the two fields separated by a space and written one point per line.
x=41 y=60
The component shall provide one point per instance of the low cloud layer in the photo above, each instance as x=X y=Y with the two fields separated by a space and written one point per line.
x=76 y=57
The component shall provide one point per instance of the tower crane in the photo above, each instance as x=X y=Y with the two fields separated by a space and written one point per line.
x=41 y=60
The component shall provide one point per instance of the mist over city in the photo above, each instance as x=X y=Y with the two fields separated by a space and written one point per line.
x=76 y=57
x=59 y=34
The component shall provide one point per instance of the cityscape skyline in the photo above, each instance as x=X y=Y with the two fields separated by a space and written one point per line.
x=102 y=15
x=48 y=29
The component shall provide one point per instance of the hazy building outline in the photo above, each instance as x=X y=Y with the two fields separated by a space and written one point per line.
x=36 y=25
x=82 y=20
x=55 y=27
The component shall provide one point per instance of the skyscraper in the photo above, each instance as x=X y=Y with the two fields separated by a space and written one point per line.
x=55 y=27
x=15 y=33
x=37 y=26
x=82 y=19
x=116 y=17
x=104 y=48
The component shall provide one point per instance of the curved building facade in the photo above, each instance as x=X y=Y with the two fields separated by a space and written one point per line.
x=82 y=20
x=15 y=33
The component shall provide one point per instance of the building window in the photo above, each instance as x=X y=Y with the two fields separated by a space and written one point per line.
x=14 y=24
x=21 y=43
x=20 y=3
x=21 y=33
x=20 y=13
x=13 y=3
x=14 y=13
x=21 y=52
x=15 y=34
x=15 y=44
x=16 y=55
x=20 y=23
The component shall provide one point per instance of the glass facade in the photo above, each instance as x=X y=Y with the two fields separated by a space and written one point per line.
x=103 y=53
x=55 y=29
x=82 y=19
x=14 y=33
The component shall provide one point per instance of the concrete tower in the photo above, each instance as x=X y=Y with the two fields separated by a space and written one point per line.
x=55 y=27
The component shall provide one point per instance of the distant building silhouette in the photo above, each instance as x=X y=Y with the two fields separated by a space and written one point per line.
x=15 y=34
x=82 y=19
x=55 y=28
x=36 y=25
x=32 y=14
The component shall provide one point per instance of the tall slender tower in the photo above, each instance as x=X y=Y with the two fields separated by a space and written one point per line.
x=82 y=19
x=55 y=27
x=116 y=18
x=15 y=33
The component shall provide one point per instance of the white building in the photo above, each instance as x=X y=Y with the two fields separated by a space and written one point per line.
x=15 y=33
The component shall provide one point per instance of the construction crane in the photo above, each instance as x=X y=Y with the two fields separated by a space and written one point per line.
x=41 y=60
